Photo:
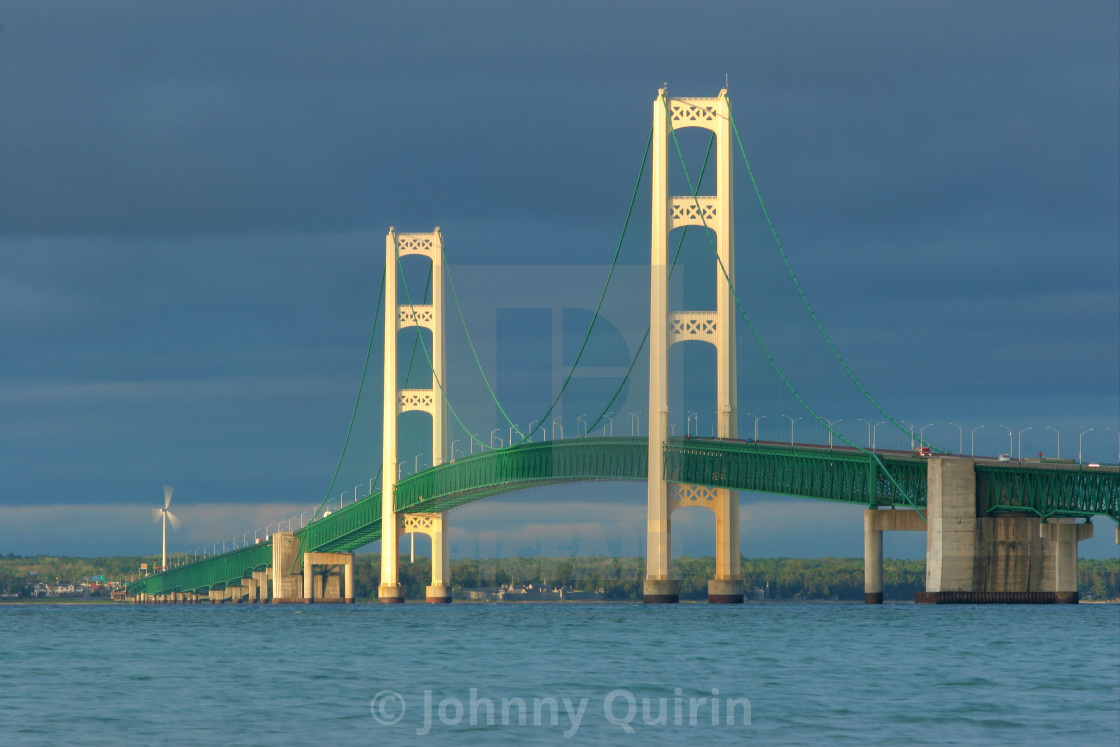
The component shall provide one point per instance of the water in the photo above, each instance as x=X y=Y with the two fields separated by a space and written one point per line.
x=813 y=674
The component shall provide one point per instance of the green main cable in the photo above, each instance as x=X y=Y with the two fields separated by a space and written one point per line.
x=762 y=346
x=591 y=326
x=804 y=298
x=361 y=388
x=672 y=266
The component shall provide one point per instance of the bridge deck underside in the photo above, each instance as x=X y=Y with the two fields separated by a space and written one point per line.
x=810 y=472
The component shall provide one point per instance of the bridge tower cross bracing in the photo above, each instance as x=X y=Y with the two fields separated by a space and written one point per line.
x=397 y=401
x=715 y=212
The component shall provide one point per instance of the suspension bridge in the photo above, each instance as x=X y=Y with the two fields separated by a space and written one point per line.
x=996 y=531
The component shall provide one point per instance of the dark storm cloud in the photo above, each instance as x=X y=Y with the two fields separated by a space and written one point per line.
x=193 y=197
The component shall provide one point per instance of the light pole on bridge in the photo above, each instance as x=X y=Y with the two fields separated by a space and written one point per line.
x=830 y=424
x=922 y=434
x=493 y=433
x=635 y=425
x=974 y=438
x=582 y=419
x=455 y=441
x=868 y=431
x=792 y=420
x=1059 y=435
x=532 y=429
x=875 y=434
x=1079 y=437
x=688 y=423
x=1010 y=441
x=911 y=432
x=960 y=441
x=756 y=419
x=512 y=428
x=610 y=421
x=1029 y=427
x=557 y=424
x=473 y=442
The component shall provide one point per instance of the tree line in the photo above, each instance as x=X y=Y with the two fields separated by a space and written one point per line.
x=616 y=578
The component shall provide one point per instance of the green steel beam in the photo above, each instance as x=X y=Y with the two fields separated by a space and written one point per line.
x=845 y=475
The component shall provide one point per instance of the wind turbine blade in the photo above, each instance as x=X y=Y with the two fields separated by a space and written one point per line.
x=156 y=515
x=166 y=496
x=174 y=520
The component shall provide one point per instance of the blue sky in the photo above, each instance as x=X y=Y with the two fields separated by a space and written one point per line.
x=194 y=198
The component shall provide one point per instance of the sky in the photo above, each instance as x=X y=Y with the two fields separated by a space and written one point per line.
x=194 y=199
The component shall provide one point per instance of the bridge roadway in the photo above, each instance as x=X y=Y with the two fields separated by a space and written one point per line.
x=803 y=470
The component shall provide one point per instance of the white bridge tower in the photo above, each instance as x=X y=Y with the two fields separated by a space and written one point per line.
x=716 y=212
x=397 y=401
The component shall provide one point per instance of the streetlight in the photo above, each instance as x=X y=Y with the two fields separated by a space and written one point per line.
x=371 y=485
x=792 y=420
x=472 y=442
x=875 y=433
x=830 y=424
x=634 y=424
x=532 y=428
x=960 y=441
x=911 y=432
x=453 y=442
x=1079 y=442
x=301 y=514
x=267 y=533
x=400 y=466
x=610 y=421
x=688 y=423
x=582 y=419
x=974 y=438
x=1029 y=427
x=1010 y=443
x=868 y=430
x=1056 y=431
x=512 y=426
x=756 y=419
x=557 y=424
x=922 y=434
x=356 y=492
x=492 y=434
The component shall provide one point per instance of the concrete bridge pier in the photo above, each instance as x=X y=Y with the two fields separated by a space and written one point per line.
x=217 y=596
x=875 y=522
x=1008 y=558
x=287 y=579
x=319 y=587
x=250 y=585
x=262 y=579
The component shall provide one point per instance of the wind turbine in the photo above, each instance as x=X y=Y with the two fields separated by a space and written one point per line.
x=166 y=515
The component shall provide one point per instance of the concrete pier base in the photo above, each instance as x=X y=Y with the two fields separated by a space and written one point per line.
x=327 y=585
x=437 y=594
x=725 y=591
x=390 y=594
x=661 y=591
x=287 y=579
x=1009 y=558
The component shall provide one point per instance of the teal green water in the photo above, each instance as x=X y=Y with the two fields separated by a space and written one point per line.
x=819 y=674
